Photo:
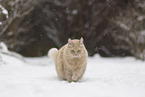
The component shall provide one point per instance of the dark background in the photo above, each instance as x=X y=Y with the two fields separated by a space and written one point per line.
x=109 y=27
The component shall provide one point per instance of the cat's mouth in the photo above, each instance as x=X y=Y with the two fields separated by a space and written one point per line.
x=75 y=56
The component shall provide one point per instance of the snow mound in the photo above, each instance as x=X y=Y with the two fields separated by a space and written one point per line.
x=8 y=57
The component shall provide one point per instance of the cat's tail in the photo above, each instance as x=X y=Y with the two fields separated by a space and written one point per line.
x=52 y=53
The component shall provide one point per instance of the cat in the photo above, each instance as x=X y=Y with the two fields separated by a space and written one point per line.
x=70 y=60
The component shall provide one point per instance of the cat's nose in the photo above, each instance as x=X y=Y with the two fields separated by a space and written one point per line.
x=76 y=55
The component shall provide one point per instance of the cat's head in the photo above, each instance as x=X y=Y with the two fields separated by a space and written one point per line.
x=75 y=47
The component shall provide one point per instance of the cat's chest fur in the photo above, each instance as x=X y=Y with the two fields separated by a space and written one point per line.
x=74 y=63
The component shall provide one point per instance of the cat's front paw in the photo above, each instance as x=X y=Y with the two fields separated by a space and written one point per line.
x=74 y=78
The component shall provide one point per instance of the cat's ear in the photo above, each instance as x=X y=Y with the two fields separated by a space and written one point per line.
x=69 y=42
x=81 y=41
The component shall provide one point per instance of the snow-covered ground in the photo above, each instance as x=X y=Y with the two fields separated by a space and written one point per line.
x=104 y=77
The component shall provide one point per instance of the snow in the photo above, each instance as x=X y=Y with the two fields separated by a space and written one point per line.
x=104 y=77
x=3 y=47
x=140 y=18
x=4 y=11
x=74 y=12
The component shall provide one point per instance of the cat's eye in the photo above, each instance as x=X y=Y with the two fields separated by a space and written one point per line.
x=72 y=51
x=79 y=51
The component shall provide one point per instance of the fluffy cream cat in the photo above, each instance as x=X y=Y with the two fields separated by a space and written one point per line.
x=70 y=60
